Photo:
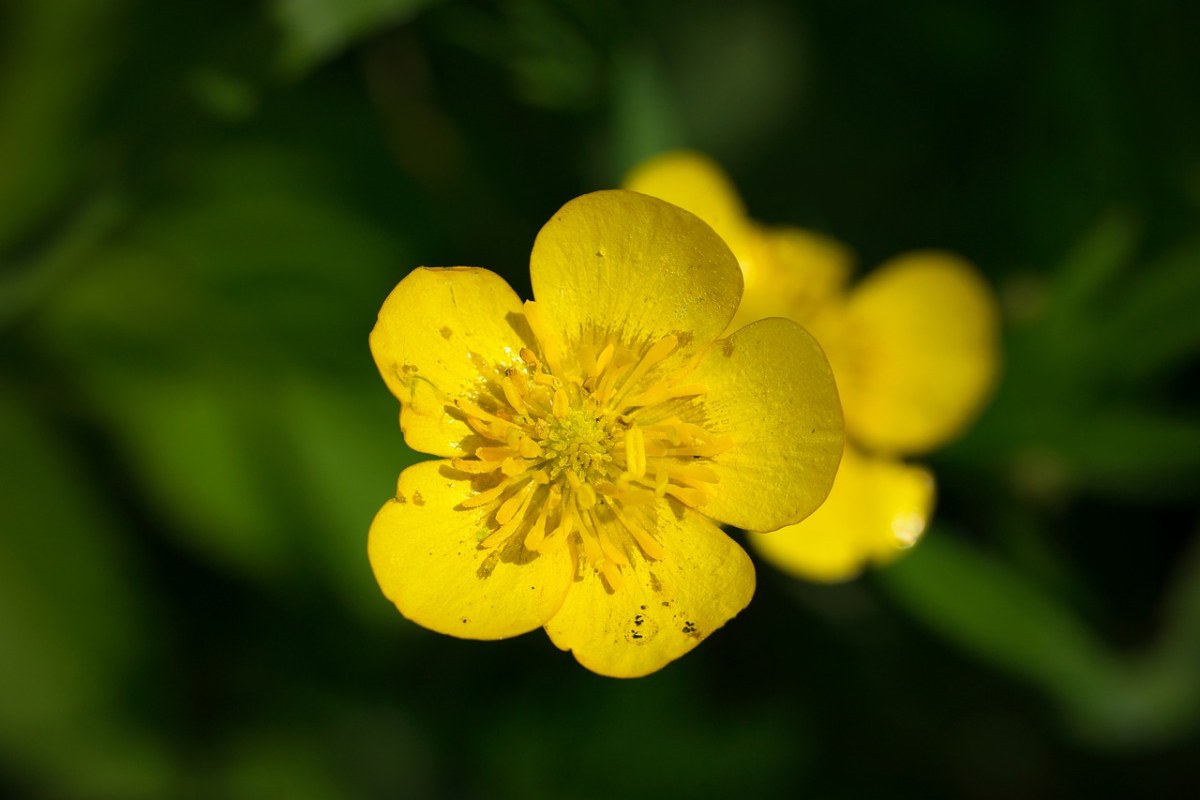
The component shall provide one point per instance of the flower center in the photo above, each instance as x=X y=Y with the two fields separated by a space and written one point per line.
x=584 y=455
x=580 y=443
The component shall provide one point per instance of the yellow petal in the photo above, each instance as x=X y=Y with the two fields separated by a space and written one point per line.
x=694 y=182
x=771 y=390
x=440 y=334
x=664 y=608
x=791 y=272
x=788 y=271
x=878 y=508
x=623 y=264
x=916 y=354
x=424 y=550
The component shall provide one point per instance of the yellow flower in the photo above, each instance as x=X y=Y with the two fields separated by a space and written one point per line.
x=913 y=348
x=592 y=439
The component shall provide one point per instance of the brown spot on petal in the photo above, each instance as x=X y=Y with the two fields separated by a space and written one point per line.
x=446 y=332
x=642 y=630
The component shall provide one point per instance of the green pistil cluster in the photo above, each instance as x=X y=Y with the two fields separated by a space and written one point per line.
x=579 y=443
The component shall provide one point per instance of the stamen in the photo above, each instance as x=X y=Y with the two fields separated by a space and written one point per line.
x=567 y=522
x=687 y=495
x=625 y=492
x=612 y=574
x=529 y=448
x=649 y=545
x=608 y=383
x=635 y=451
x=706 y=450
x=515 y=505
x=692 y=474
x=587 y=496
x=604 y=359
x=610 y=550
x=475 y=466
x=485 y=497
x=549 y=344
x=591 y=547
x=504 y=532
x=475 y=411
x=602 y=442
x=484 y=429
x=513 y=465
x=657 y=352
x=513 y=391
x=494 y=453
x=537 y=533
x=587 y=359
x=562 y=403
x=663 y=391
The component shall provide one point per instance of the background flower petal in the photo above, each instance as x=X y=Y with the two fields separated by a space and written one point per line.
x=771 y=389
x=695 y=182
x=623 y=263
x=790 y=272
x=917 y=352
x=876 y=510
x=442 y=333
x=665 y=608
x=425 y=554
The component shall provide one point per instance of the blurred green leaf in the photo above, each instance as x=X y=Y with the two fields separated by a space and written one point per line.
x=1111 y=698
x=189 y=335
x=276 y=763
x=545 y=47
x=736 y=71
x=708 y=755
x=315 y=30
x=1157 y=698
x=645 y=120
x=26 y=283
x=1082 y=389
x=53 y=59
x=70 y=623
x=1093 y=265
x=552 y=63
x=1153 y=325
x=994 y=612
x=347 y=457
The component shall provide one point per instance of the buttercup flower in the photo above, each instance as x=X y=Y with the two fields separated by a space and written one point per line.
x=913 y=347
x=591 y=440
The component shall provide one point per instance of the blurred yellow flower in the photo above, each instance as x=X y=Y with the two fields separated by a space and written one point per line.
x=914 y=349
x=592 y=439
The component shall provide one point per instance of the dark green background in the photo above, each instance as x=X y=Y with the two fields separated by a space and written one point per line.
x=202 y=206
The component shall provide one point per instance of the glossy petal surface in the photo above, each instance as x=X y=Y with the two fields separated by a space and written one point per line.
x=625 y=266
x=876 y=510
x=441 y=334
x=424 y=549
x=770 y=388
x=665 y=608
